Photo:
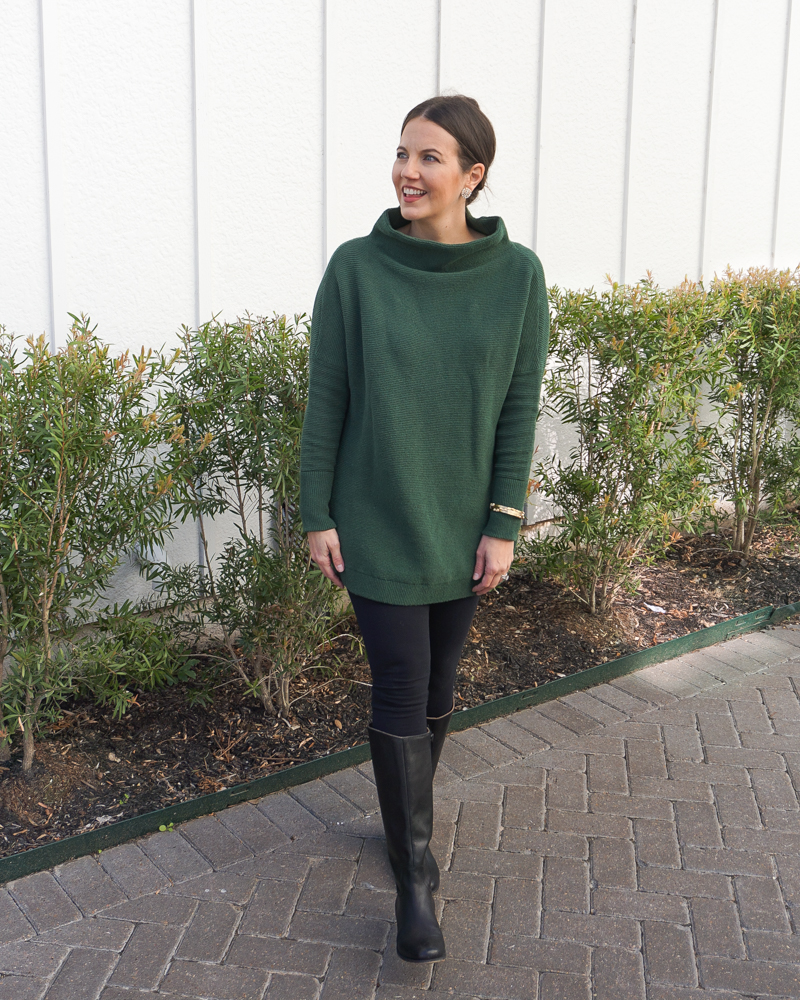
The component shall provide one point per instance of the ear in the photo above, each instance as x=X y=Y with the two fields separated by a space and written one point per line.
x=476 y=174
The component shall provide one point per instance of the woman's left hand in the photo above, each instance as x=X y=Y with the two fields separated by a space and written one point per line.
x=492 y=563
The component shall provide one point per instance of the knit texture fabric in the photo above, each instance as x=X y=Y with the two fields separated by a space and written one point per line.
x=426 y=364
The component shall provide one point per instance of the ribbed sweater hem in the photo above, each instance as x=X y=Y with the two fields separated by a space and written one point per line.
x=398 y=592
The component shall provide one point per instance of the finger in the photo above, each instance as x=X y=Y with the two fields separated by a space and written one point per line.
x=330 y=572
x=496 y=581
x=491 y=578
x=331 y=575
x=335 y=562
x=336 y=556
x=480 y=560
x=486 y=583
x=323 y=560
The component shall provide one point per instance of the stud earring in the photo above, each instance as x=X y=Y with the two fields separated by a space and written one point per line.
x=466 y=193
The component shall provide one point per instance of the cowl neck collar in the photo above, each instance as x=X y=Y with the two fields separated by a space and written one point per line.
x=428 y=255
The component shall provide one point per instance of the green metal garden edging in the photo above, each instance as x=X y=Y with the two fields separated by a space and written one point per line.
x=48 y=855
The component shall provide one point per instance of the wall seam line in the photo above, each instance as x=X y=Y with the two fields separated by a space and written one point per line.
x=781 y=129
x=537 y=149
x=626 y=176
x=199 y=118
x=200 y=217
x=438 y=47
x=707 y=157
x=324 y=135
x=51 y=127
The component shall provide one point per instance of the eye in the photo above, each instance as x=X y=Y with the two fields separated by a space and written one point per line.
x=430 y=156
x=401 y=155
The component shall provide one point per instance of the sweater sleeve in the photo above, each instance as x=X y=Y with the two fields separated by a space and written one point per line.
x=513 y=448
x=328 y=398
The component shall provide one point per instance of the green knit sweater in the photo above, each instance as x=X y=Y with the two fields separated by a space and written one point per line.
x=426 y=363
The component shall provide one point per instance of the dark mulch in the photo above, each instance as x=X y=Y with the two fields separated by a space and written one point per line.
x=91 y=770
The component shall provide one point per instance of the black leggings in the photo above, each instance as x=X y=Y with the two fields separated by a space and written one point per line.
x=413 y=653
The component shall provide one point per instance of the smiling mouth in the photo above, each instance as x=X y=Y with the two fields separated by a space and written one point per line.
x=409 y=192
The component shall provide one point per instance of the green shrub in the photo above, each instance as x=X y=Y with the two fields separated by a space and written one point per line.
x=115 y=657
x=242 y=391
x=754 y=391
x=82 y=482
x=126 y=652
x=103 y=453
x=624 y=375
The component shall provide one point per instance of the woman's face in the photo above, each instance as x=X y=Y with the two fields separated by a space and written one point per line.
x=427 y=176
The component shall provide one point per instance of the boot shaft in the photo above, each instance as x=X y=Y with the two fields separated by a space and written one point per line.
x=404 y=779
x=438 y=728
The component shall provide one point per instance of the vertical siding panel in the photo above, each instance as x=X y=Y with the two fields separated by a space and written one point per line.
x=584 y=105
x=381 y=61
x=265 y=146
x=538 y=135
x=127 y=144
x=24 y=272
x=471 y=61
x=202 y=162
x=60 y=322
x=745 y=130
x=626 y=168
x=669 y=114
x=787 y=243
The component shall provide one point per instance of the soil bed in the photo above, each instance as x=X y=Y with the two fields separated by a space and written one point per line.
x=91 y=770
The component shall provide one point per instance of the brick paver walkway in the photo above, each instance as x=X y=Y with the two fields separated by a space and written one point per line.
x=638 y=840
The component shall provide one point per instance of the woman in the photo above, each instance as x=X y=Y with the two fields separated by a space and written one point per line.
x=428 y=344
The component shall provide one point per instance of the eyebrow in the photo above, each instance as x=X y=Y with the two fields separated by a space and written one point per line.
x=432 y=149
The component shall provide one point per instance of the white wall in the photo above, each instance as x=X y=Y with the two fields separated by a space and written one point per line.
x=24 y=256
x=669 y=138
x=787 y=222
x=263 y=153
x=126 y=166
x=168 y=159
x=746 y=120
x=164 y=160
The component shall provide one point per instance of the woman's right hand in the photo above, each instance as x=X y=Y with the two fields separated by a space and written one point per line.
x=325 y=552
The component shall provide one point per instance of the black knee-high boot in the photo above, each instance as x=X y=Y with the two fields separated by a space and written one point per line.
x=403 y=776
x=438 y=730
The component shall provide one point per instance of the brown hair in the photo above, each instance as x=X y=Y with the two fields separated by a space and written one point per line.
x=462 y=117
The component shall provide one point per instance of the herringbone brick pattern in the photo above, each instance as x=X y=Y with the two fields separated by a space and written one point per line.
x=638 y=840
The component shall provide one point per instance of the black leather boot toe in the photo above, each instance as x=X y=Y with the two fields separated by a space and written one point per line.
x=419 y=937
